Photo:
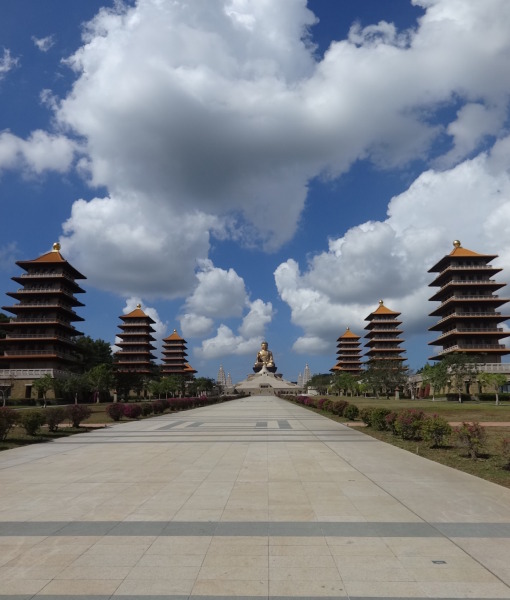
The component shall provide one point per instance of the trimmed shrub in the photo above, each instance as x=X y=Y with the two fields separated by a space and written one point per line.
x=32 y=420
x=436 y=429
x=390 y=421
x=504 y=447
x=158 y=407
x=8 y=418
x=76 y=413
x=378 y=418
x=132 y=411
x=55 y=416
x=408 y=423
x=365 y=414
x=327 y=404
x=115 y=411
x=351 y=412
x=320 y=403
x=338 y=407
x=473 y=437
x=454 y=397
x=147 y=409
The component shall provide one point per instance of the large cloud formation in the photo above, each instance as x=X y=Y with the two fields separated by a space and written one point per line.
x=208 y=119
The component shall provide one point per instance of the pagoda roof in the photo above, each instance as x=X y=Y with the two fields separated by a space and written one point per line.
x=188 y=368
x=174 y=337
x=51 y=257
x=348 y=334
x=382 y=310
x=138 y=313
x=459 y=252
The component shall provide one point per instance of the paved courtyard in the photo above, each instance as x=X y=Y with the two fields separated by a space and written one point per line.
x=254 y=498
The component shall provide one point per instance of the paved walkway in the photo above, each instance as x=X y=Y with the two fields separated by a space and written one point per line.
x=254 y=498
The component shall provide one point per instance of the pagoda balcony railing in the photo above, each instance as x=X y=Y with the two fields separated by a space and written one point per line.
x=46 y=274
x=142 y=360
x=472 y=330
x=471 y=297
x=31 y=373
x=470 y=314
x=40 y=320
x=45 y=289
x=23 y=336
x=472 y=347
x=48 y=352
x=44 y=304
x=466 y=268
x=468 y=282
x=493 y=367
x=387 y=329
x=129 y=322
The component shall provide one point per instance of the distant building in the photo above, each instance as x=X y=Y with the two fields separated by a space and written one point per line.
x=40 y=339
x=306 y=374
x=229 y=380
x=383 y=337
x=300 y=379
x=468 y=316
x=135 y=355
x=348 y=354
x=174 y=356
x=221 y=379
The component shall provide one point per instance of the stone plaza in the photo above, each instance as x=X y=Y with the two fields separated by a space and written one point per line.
x=252 y=498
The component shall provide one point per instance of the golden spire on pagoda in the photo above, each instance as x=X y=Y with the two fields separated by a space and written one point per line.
x=457 y=244
x=56 y=247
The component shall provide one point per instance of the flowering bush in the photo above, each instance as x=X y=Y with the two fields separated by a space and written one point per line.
x=147 y=409
x=115 y=411
x=338 y=407
x=158 y=407
x=365 y=415
x=77 y=413
x=408 y=423
x=8 y=418
x=473 y=437
x=436 y=429
x=390 y=419
x=55 y=416
x=132 y=411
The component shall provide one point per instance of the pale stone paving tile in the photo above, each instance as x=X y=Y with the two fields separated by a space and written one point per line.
x=307 y=589
x=231 y=588
x=77 y=587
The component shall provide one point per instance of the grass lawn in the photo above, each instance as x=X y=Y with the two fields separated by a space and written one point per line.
x=490 y=466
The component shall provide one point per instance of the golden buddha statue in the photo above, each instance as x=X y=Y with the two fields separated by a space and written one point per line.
x=264 y=359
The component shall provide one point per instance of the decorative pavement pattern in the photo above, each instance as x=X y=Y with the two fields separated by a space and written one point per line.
x=253 y=498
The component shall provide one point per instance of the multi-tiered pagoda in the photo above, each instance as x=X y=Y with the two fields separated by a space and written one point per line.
x=468 y=316
x=135 y=355
x=40 y=339
x=174 y=356
x=383 y=337
x=348 y=354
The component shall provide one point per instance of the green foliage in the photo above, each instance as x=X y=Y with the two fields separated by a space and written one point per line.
x=55 y=416
x=321 y=382
x=351 y=412
x=473 y=437
x=505 y=451
x=344 y=382
x=494 y=380
x=147 y=409
x=338 y=407
x=366 y=416
x=378 y=418
x=100 y=379
x=385 y=376
x=32 y=420
x=93 y=352
x=436 y=376
x=8 y=418
x=76 y=413
x=43 y=385
x=436 y=429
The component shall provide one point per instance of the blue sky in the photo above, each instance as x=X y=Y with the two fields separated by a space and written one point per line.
x=253 y=170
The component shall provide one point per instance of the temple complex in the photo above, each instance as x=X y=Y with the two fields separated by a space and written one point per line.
x=383 y=337
x=348 y=354
x=468 y=317
x=174 y=356
x=40 y=339
x=135 y=355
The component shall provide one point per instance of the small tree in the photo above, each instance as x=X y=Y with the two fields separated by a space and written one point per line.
x=8 y=418
x=32 y=420
x=100 y=379
x=461 y=369
x=494 y=380
x=436 y=376
x=473 y=437
x=42 y=386
x=436 y=429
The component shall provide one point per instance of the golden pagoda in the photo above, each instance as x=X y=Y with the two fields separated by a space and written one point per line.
x=468 y=316
x=383 y=337
x=348 y=354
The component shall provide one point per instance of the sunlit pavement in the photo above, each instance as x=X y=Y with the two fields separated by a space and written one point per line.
x=254 y=498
